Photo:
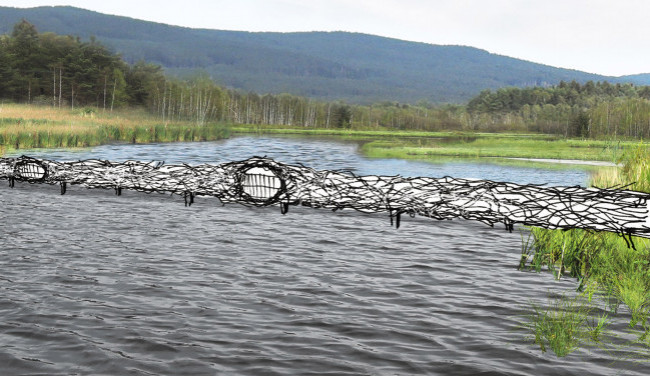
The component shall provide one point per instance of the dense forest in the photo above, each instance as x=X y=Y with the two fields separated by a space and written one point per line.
x=64 y=71
x=591 y=110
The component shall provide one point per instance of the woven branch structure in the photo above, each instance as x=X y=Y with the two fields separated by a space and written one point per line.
x=265 y=182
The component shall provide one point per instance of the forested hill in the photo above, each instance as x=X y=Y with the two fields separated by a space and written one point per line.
x=639 y=79
x=326 y=65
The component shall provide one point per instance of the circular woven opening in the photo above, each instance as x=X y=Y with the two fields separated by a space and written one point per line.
x=261 y=185
x=30 y=171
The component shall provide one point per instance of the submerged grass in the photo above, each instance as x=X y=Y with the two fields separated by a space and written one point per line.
x=606 y=265
x=26 y=127
x=565 y=324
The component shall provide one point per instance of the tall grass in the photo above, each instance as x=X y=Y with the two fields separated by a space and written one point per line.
x=477 y=146
x=565 y=324
x=26 y=127
x=604 y=263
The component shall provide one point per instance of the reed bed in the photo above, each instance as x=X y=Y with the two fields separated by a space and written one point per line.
x=26 y=127
x=565 y=324
x=608 y=268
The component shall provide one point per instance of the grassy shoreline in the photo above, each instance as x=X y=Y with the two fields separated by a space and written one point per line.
x=496 y=147
x=613 y=277
x=25 y=126
x=375 y=132
x=28 y=127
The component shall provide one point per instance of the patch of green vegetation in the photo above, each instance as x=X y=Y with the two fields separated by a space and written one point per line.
x=69 y=129
x=479 y=146
x=615 y=269
x=565 y=324
x=104 y=134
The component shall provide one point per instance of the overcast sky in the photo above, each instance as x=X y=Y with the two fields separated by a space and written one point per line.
x=610 y=37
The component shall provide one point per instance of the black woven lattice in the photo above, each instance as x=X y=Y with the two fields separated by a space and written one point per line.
x=262 y=182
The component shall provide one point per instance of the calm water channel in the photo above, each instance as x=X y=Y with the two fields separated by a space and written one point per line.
x=95 y=284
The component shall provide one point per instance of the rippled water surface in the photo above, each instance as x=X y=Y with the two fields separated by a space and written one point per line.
x=95 y=284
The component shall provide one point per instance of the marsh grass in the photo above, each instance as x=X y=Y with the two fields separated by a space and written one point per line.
x=605 y=264
x=479 y=146
x=565 y=324
x=564 y=252
x=27 y=127
x=624 y=274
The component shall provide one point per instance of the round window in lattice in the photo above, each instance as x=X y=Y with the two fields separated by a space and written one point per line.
x=262 y=186
x=31 y=170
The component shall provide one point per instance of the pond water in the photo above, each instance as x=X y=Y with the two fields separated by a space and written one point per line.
x=316 y=153
x=96 y=284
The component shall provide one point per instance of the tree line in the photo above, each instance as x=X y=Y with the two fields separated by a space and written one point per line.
x=590 y=110
x=45 y=68
x=50 y=69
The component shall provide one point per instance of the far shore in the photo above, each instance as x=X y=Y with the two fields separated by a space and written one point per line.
x=29 y=127
x=565 y=161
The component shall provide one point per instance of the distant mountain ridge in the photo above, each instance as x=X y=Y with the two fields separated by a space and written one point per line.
x=639 y=79
x=324 y=65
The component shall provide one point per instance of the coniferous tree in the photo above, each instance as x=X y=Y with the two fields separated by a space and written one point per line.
x=6 y=69
x=24 y=49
